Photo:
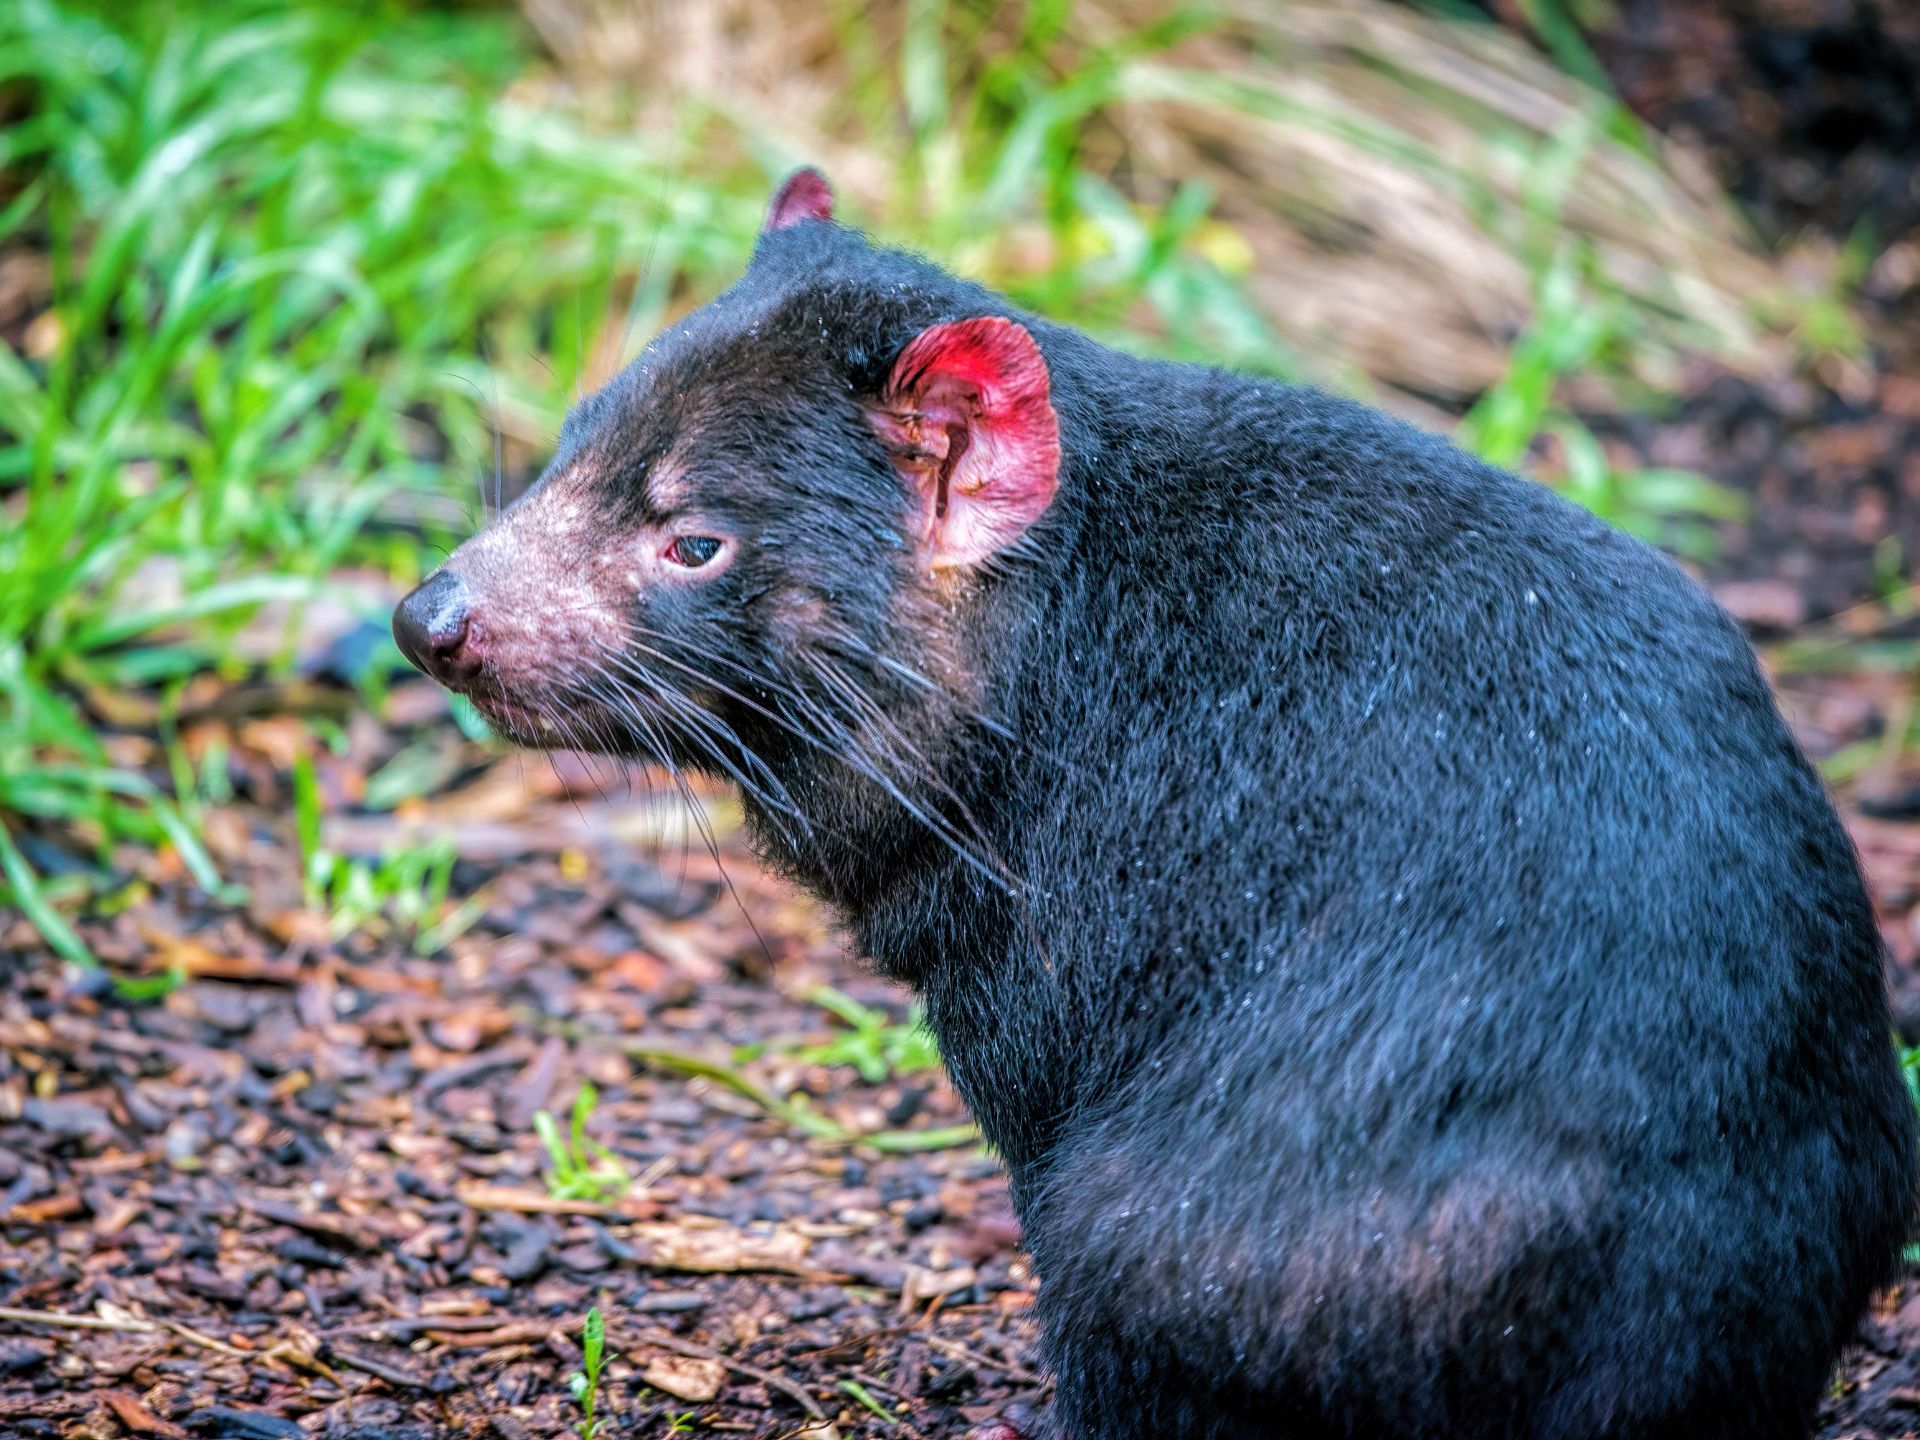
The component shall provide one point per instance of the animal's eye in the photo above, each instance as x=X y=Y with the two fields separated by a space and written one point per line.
x=693 y=551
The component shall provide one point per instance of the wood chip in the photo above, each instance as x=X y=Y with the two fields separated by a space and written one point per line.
x=723 y=1250
x=686 y=1378
x=128 y=1410
x=484 y=1196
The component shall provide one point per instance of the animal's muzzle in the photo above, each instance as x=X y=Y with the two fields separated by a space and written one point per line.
x=432 y=626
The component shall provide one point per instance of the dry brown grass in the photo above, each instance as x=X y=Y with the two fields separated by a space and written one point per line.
x=1376 y=161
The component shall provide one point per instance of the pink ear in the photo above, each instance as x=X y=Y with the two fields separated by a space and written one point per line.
x=968 y=417
x=803 y=195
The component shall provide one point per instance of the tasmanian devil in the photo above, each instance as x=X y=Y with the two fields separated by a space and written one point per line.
x=1415 y=981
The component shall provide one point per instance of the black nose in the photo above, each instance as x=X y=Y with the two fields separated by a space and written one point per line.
x=430 y=626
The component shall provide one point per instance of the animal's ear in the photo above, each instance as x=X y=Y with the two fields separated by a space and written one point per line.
x=968 y=417
x=803 y=195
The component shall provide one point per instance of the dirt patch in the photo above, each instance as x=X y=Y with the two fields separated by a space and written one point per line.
x=1808 y=112
x=1808 y=109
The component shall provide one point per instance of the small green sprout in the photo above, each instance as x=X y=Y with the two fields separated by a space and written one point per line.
x=145 y=989
x=585 y=1382
x=405 y=889
x=875 y=1045
x=865 y=1396
x=580 y=1168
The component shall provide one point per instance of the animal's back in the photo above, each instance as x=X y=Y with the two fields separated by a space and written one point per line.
x=1451 y=954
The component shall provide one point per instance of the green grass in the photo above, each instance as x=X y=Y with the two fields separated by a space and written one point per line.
x=1570 y=335
x=403 y=892
x=578 y=1166
x=284 y=243
x=311 y=264
x=872 y=1043
x=865 y=1398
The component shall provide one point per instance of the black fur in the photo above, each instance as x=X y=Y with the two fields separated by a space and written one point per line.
x=1434 y=997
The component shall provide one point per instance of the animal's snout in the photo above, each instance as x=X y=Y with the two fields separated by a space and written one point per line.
x=431 y=626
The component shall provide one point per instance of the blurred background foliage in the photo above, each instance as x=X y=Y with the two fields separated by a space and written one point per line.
x=293 y=294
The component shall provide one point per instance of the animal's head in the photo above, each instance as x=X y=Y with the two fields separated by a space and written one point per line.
x=764 y=535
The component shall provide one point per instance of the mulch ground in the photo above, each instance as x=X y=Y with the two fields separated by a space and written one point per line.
x=303 y=1193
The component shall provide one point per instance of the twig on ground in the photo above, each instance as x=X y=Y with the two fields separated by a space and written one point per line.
x=392 y=1374
x=956 y=1351
x=131 y=1325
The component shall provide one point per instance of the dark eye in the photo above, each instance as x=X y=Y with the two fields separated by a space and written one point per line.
x=693 y=551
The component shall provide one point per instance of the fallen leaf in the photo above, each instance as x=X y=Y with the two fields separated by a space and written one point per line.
x=923 y=1284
